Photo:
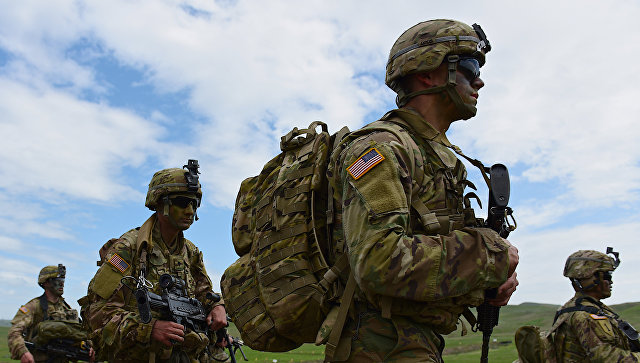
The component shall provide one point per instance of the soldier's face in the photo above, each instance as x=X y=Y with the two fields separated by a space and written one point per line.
x=605 y=285
x=56 y=286
x=182 y=209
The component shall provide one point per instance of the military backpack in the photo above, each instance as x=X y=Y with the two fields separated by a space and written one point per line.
x=291 y=284
x=282 y=288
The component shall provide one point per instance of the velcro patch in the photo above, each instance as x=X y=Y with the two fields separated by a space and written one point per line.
x=365 y=163
x=597 y=317
x=24 y=309
x=119 y=263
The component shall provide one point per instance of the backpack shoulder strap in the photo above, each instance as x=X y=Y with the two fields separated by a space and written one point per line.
x=44 y=305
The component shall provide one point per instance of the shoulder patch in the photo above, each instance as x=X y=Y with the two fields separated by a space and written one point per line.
x=24 y=309
x=119 y=263
x=597 y=317
x=365 y=162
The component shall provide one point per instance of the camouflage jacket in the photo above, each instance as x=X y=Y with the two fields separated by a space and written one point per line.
x=580 y=336
x=110 y=307
x=428 y=265
x=28 y=317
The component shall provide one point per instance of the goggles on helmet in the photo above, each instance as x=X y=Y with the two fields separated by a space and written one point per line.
x=183 y=202
x=469 y=67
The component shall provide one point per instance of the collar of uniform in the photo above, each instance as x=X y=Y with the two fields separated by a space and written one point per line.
x=164 y=246
x=420 y=126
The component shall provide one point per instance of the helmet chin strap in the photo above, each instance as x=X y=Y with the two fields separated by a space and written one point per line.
x=467 y=111
x=166 y=203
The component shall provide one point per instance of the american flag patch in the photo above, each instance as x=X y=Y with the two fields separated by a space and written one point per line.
x=117 y=262
x=24 y=309
x=364 y=163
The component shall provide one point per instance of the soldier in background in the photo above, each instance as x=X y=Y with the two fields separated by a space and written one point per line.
x=49 y=306
x=585 y=329
x=155 y=248
x=418 y=254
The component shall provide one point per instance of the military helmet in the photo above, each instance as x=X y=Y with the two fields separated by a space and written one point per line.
x=50 y=272
x=424 y=46
x=173 y=180
x=585 y=263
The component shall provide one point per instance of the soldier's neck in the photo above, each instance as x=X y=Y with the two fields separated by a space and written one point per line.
x=168 y=232
x=429 y=107
x=51 y=296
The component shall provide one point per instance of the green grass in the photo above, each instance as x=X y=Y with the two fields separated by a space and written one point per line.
x=5 y=356
x=459 y=349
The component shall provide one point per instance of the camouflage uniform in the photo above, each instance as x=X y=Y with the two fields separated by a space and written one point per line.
x=416 y=272
x=592 y=335
x=582 y=337
x=111 y=309
x=28 y=317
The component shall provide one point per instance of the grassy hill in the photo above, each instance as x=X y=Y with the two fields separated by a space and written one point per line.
x=459 y=349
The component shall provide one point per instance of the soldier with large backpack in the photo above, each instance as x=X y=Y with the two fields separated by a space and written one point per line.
x=144 y=254
x=365 y=241
x=418 y=255
x=47 y=318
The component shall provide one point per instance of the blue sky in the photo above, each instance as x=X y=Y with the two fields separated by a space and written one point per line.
x=96 y=96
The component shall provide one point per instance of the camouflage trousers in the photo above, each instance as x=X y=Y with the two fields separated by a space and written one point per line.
x=376 y=339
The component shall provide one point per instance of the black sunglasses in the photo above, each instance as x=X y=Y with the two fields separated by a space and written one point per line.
x=607 y=276
x=183 y=202
x=470 y=67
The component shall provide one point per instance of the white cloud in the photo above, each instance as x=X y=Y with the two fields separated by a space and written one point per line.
x=57 y=144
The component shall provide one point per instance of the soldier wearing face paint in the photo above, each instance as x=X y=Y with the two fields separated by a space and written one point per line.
x=49 y=306
x=585 y=329
x=147 y=252
x=418 y=254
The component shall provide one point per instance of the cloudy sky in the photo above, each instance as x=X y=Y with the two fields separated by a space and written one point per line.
x=97 y=95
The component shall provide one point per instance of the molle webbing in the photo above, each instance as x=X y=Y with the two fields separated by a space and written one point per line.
x=275 y=291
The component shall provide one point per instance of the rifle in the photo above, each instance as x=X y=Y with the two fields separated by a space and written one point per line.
x=497 y=219
x=67 y=348
x=175 y=305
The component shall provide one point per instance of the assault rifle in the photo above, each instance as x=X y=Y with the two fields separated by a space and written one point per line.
x=498 y=220
x=175 y=305
x=58 y=348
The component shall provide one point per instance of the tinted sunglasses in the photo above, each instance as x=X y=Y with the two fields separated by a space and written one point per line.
x=183 y=202
x=469 y=67
x=607 y=276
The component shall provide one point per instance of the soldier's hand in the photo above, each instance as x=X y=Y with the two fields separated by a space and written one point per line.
x=167 y=332
x=92 y=355
x=217 y=318
x=508 y=287
x=27 y=358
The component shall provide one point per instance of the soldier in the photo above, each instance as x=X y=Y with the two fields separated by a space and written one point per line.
x=418 y=255
x=49 y=306
x=585 y=329
x=155 y=248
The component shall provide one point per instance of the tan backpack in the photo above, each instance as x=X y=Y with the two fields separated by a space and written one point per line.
x=291 y=285
x=534 y=345
x=282 y=288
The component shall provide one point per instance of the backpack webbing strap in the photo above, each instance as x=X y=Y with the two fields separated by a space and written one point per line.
x=336 y=330
x=248 y=315
x=280 y=255
x=282 y=234
x=288 y=287
x=268 y=278
x=235 y=303
x=332 y=274
x=44 y=305
x=292 y=192
x=259 y=330
x=300 y=173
